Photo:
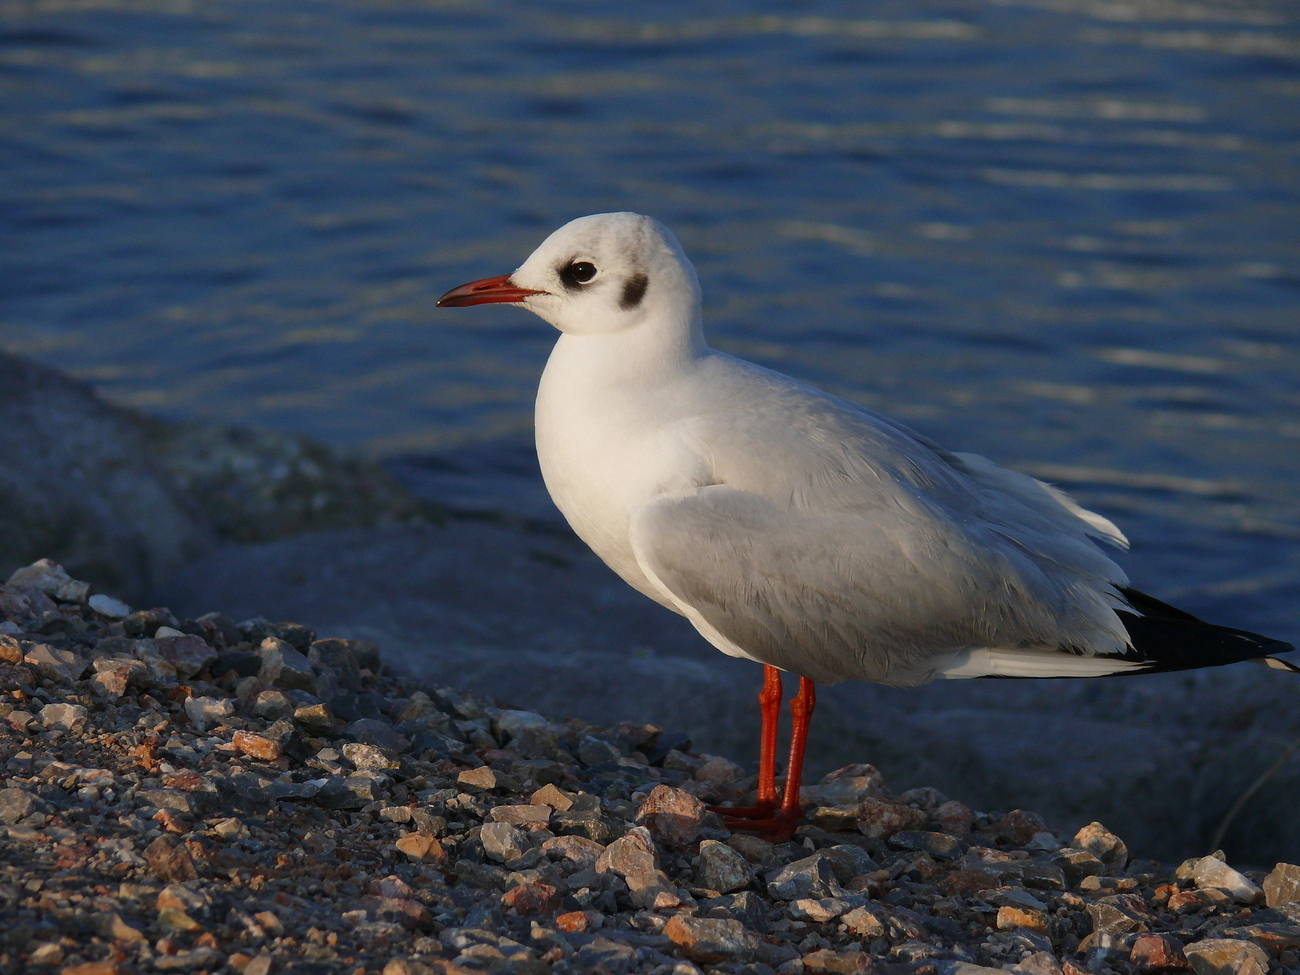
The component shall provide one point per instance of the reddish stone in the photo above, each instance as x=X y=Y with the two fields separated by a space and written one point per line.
x=954 y=818
x=673 y=816
x=882 y=818
x=1158 y=953
x=1020 y=825
x=969 y=880
x=839 y=962
x=531 y=899
x=1194 y=901
x=577 y=921
x=170 y=860
x=257 y=746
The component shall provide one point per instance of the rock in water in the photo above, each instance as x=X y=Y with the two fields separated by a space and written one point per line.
x=79 y=483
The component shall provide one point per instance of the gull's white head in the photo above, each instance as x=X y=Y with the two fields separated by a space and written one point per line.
x=605 y=273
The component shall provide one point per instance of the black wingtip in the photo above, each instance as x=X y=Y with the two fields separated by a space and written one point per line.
x=1174 y=640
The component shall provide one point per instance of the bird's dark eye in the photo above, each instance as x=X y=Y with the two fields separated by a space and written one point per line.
x=577 y=273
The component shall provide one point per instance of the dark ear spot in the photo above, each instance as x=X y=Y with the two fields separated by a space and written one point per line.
x=633 y=291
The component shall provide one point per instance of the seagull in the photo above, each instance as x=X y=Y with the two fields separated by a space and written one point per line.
x=800 y=530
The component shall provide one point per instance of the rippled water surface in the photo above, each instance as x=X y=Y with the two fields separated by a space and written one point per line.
x=1062 y=233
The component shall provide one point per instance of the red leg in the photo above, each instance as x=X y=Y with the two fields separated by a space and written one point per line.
x=781 y=827
x=769 y=702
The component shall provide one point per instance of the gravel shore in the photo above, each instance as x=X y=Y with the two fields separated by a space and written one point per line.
x=207 y=795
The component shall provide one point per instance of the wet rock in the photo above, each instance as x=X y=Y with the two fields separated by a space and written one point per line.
x=721 y=868
x=1213 y=872
x=709 y=941
x=882 y=818
x=1282 y=885
x=1226 y=956
x=70 y=718
x=1101 y=843
x=674 y=817
x=52 y=663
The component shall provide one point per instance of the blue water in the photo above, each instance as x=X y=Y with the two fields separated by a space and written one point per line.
x=1062 y=233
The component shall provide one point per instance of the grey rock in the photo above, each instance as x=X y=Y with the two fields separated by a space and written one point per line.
x=810 y=877
x=1213 y=872
x=285 y=667
x=370 y=756
x=1226 y=956
x=503 y=842
x=52 y=579
x=17 y=804
x=188 y=654
x=721 y=868
x=1101 y=843
x=941 y=846
x=107 y=606
x=80 y=485
x=822 y=909
x=207 y=712
x=631 y=853
x=62 y=666
x=273 y=704
x=71 y=718
x=371 y=731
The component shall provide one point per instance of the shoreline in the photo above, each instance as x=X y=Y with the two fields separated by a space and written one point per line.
x=205 y=795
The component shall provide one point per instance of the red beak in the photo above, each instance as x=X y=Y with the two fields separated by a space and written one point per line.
x=484 y=292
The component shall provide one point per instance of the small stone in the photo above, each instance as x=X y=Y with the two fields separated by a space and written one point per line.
x=865 y=922
x=49 y=953
x=954 y=818
x=71 y=718
x=1213 y=872
x=811 y=877
x=420 y=846
x=531 y=898
x=61 y=666
x=845 y=786
x=821 y=909
x=1019 y=826
x=1226 y=956
x=721 y=868
x=1195 y=901
x=381 y=734
x=519 y=815
x=260 y=965
x=1119 y=914
x=503 y=842
x=49 y=577
x=316 y=719
x=1010 y=918
x=188 y=654
x=709 y=941
x=1077 y=864
x=207 y=712
x=1157 y=952
x=578 y=852
x=834 y=819
x=1282 y=885
x=840 y=962
x=941 y=846
x=632 y=853
x=508 y=725
x=113 y=609
x=177 y=921
x=969 y=880
x=575 y=922
x=882 y=818
x=257 y=746
x=284 y=666
x=719 y=772
x=370 y=757
x=170 y=860
x=1101 y=843
x=549 y=795
x=17 y=804
x=673 y=816
x=272 y=704
x=481 y=779
x=1039 y=963
x=652 y=890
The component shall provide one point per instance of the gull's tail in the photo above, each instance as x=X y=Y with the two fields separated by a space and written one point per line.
x=1165 y=638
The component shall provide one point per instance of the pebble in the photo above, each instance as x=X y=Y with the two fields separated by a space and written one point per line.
x=104 y=605
x=179 y=812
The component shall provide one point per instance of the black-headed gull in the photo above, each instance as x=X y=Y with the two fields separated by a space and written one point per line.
x=798 y=529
